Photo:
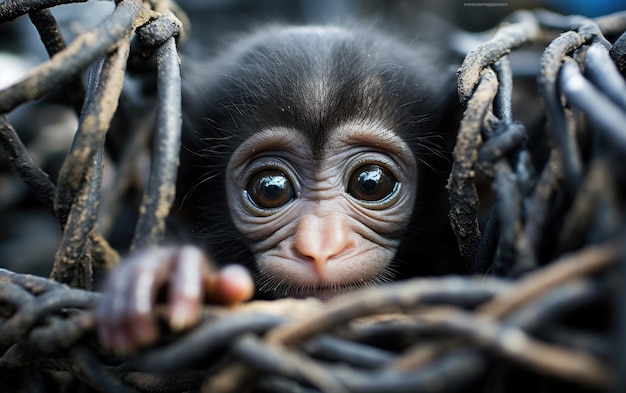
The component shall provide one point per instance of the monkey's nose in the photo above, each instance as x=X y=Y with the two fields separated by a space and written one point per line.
x=321 y=238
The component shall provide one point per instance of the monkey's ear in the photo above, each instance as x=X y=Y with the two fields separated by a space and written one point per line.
x=451 y=110
x=446 y=110
x=197 y=87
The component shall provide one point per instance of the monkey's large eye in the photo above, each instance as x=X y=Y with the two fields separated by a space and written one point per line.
x=371 y=183
x=270 y=189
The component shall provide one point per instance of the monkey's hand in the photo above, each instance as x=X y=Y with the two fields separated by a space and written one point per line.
x=126 y=314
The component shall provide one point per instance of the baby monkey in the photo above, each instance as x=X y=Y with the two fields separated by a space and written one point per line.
x=316 y=157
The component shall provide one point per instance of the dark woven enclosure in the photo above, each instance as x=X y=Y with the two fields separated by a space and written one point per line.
x=545 y=307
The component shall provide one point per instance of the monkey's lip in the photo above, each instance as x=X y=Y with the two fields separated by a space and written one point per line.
x=323 y=293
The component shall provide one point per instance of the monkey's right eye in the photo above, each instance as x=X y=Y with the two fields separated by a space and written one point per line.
x=270 y=189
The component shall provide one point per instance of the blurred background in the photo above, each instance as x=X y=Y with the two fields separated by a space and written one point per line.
x=30 y=235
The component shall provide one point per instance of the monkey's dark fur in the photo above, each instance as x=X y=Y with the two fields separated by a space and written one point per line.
x=313 y=79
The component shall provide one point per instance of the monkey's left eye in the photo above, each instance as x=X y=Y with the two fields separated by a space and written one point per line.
x=270 y=189
x=371 y=183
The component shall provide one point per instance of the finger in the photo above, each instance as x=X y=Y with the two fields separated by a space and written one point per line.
x=110 y=312
x=231 y=285
x=151 y=272
x=126 y=313
x=186 y=292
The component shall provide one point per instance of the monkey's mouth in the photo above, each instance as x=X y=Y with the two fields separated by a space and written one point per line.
x=323 y=292
x=274 y=285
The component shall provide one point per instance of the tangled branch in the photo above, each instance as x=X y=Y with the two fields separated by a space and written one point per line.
x=550 y=249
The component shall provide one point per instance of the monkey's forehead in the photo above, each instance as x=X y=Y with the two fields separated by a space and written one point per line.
x=345 y=140
x=313 y=80
x=316 y=78
x=318 y=99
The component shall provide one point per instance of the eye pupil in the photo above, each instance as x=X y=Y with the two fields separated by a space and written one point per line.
x=371 y=183
x=269 y=189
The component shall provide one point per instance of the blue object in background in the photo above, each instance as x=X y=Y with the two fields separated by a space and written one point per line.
x=591 y=8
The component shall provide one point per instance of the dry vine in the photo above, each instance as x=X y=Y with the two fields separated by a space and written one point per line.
x=550 y=257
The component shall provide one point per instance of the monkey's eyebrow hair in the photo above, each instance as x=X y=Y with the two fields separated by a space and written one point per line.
x=266 y=140
x=273 y=138
x=379 y=137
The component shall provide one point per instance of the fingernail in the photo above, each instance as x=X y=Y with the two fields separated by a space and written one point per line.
x=180 y=319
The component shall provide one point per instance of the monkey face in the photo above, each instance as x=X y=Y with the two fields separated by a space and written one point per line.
x=313 y=156
x=322 y=225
